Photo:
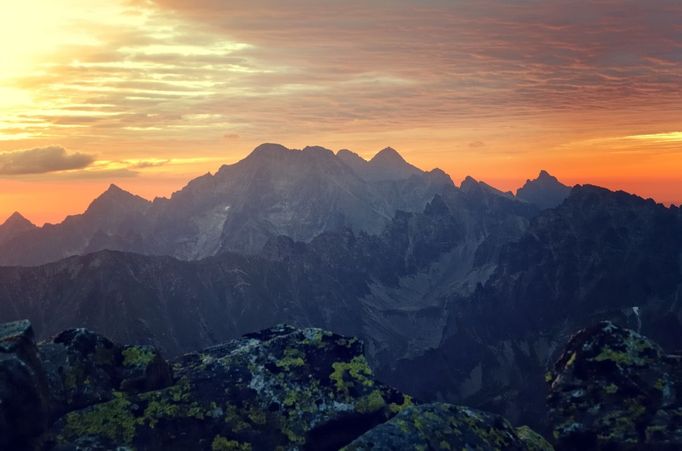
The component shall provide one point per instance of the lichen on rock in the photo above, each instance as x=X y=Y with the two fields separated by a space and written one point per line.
x=448 y=427
x=613 y=388
x=282 y=388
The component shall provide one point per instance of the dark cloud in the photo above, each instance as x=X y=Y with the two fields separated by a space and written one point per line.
x=42 y=160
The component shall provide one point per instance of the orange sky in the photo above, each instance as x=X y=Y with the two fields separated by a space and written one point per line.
x=149 y=94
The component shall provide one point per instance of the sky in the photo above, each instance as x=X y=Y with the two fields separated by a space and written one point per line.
x=148 y=94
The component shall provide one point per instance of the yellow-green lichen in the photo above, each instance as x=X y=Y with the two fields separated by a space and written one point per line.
x=614 y=356
x=158 y=409
x=397 y=408
x=137 y=356
x=112 y=420
x=533 y=440
x=611 y=389
x=371 y=403
x=292 y=358
x=257 y=416
x=221 y=443
x=357 y=369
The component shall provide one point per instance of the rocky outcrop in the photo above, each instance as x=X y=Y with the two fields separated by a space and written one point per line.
x=615 y=389
x=84 y=368
x=446 y=426
x=23 y=388
x=281 y=388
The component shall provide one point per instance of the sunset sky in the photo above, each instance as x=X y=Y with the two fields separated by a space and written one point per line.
x=149 y=94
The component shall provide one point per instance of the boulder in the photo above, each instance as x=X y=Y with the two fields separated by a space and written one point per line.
x=23 y=388
x=614 y=389
x=84 y=368
x=282 y=388
x=441 y=426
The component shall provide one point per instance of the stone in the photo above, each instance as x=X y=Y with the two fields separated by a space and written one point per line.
x=23 y=388
x=280 y=388
x=440 y=426
x=613 y=388
x=84 y=368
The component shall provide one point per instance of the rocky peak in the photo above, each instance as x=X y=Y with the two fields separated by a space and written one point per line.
x=388 y=164
x=16 y=220
x=349 y=155
x=388 y=155
x=469 y=184
x=15 y=225
x=115 y=199
x=472 y=186
x=267 y=150
x=545 y=191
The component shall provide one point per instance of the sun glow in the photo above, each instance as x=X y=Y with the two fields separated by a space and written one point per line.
x=659 y=137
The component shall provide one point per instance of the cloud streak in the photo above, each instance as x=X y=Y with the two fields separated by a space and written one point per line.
x=235 y=67
x=42 y=160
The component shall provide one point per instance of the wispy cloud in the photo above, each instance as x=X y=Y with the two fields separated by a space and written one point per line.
x=169 y=68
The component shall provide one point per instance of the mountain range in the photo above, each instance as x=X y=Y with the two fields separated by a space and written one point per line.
x=273 y=191
x=461 y=293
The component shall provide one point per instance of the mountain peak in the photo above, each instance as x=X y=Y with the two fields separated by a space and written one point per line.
x=113 y=188
x=268 y=149
x=388 y=164
x=346 y=154
x=115 y=191
x=546 y=176
x=16 y=219
x=116 y=197
x=468 y=183
x=545 y=191
x=388 y=154
x=15 y=225
x=319 y=149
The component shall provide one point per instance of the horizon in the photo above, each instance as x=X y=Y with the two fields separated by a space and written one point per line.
x=456 y=182
x=148 y=94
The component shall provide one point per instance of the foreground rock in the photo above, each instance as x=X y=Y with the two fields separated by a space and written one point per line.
x=23 y=387
x=281 y=388
x=615 y=389
x=84 y=368
x=445 y=426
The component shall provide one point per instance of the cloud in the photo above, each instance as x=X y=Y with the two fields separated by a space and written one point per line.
x=42 y=160
x=476 y=144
